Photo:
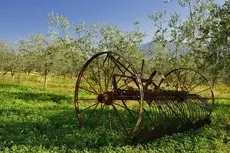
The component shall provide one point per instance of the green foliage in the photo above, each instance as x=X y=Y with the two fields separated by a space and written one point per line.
x=67 y=46
x=201 y=41
x=10 y=61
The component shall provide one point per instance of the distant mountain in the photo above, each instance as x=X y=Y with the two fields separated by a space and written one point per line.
x=150 y=47
x=147 y=46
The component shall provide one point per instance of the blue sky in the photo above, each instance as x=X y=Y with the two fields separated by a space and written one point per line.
x=18 y=18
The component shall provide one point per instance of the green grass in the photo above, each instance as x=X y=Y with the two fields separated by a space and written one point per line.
x=33 y=119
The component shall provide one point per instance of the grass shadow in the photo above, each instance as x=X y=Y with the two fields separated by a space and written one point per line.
x=36 y=96
x=222 y=104
x=7 y=86
x=58 y=130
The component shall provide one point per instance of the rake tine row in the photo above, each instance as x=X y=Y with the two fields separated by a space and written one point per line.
x=140 y=108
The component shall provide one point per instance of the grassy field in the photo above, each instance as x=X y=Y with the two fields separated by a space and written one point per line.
x=33 y=119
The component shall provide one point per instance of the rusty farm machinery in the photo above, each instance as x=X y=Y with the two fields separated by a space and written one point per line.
x=111 y=94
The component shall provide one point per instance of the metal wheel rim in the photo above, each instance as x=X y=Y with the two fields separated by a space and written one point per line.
x=78 y=81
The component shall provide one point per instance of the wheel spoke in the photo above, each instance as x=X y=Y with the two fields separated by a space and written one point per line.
x=169 y=83
x=111 y=74
x=123 y=85
x=119 y=81
x=105 y=77
x=110 y=124
x=202 y=90
x=94 y=92
x=89 y=84
x=119 y=118
x=106 y=57
x=98 y=116
x=126 y=107
x=192 y=79
x=88 y=107
x=184 y=76
x=116 y=62
x=91 y=114
x=179 y=80
x=87 y=99
x=96 y=79
x=197 y=85
x=99 y=75
x=126 y=68
x=117 y=65
x=115 y=123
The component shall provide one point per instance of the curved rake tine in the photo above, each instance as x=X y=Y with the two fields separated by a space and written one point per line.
x=181 y=110
x=156 y=111
x=159 y=107
x=172 y=110
x=148 y=116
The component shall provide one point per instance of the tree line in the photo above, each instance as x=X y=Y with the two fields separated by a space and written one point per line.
x=201 y=41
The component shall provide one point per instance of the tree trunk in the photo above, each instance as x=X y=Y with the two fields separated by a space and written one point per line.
x=12 y=73
x=45 y=78
x=45 y=81
x=64 y=77
x=45 y=75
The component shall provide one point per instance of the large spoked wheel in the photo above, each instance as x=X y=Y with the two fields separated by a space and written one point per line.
x=95 y=94
x=194 y=83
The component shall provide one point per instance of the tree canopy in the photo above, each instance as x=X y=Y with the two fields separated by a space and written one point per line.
x=201 y=41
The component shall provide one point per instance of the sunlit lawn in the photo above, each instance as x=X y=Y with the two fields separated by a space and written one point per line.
x=33 y=119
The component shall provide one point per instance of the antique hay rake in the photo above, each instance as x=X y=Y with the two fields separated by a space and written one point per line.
x=110 y=94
